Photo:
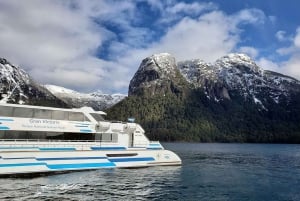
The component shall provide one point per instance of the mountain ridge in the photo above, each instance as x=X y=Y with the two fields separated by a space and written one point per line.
x=16 y=86
x=96 y=100
x=230 y=100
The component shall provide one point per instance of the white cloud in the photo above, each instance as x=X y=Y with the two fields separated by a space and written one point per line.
x=292 y=65
x=209 y=37
x=247 y=16
x=297 y=38
x=190 y=8
x=281 y=35
x=251 y=51
x=267 y=64
x=58 y=41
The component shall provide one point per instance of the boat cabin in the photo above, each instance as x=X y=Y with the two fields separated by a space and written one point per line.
x=25 y=122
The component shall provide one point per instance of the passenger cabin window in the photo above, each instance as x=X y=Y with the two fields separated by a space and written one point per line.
x=76 y=116
x=6 y=111
x=60 y=115
x=23 y=112
x=107 y=137
x=42 y=114
x=44 y=136
x=97 y=116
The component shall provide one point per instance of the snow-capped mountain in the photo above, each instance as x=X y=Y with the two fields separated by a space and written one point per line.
x=230 y=75
x=97 y=100
x=16 y=86
x=239 y=73
x=229 y=100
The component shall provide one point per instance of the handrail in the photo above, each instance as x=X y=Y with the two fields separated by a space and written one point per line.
x=45 y=140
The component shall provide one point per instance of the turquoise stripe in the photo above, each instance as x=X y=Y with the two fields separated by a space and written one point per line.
x=58 y=149
x=80 y=166
x=4 y=128
x=69 y=158
x=108 y=148
x=6 y=120
x=154 y=148
x=131 y=159
x=154 y=145
x=86 y=130
x=21 y=164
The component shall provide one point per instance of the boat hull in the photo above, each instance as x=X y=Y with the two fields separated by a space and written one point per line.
x=27 y=162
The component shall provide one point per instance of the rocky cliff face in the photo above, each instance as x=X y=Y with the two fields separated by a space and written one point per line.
x=157 y=74
x=234 y=74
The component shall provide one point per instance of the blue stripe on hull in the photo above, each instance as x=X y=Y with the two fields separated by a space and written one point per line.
x=155 y=145
x=70 y=158
x=6 y=119
x=108 y=148
x=58 y=149
x=131 y=159
x=21 y=164
x=86 y=131
x=4 y=128
x=80 y=166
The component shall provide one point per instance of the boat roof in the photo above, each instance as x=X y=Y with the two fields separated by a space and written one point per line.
x=82 y=109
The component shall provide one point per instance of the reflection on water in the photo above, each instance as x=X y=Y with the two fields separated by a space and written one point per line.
x=218 y=172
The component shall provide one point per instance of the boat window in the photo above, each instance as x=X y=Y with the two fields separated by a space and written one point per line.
x=2 y=134
x=86 y=119
x=106 y=137
x=114 y=137
x=42 y=114
x=23 y=112
x=76 y=116
x=6 y=111
x=38 y=135
x=97 y=117
x=60 y=115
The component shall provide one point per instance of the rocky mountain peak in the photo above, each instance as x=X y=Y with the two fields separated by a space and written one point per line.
x=234 y=73
x=238 y=60
x=156 y=74
x=164 y=64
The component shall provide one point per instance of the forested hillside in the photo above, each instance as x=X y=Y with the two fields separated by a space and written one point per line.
x=171 y=109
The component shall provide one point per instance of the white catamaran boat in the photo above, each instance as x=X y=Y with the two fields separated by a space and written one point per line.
x=37 y=139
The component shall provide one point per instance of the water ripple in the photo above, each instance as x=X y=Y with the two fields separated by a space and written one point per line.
x=209 y=172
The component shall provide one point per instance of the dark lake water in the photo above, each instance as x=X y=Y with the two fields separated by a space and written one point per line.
x=209 y=172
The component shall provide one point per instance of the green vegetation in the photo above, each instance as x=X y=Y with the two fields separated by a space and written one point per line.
x=191 y=116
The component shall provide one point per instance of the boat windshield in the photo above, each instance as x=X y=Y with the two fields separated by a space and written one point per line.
x=97 y=117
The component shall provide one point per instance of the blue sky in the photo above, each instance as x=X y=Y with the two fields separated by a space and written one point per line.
x=98 y=44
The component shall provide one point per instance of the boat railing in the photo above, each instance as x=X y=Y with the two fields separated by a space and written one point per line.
x=36 y=143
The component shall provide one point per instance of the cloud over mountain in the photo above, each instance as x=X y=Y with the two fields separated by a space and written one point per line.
x=88 y=45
